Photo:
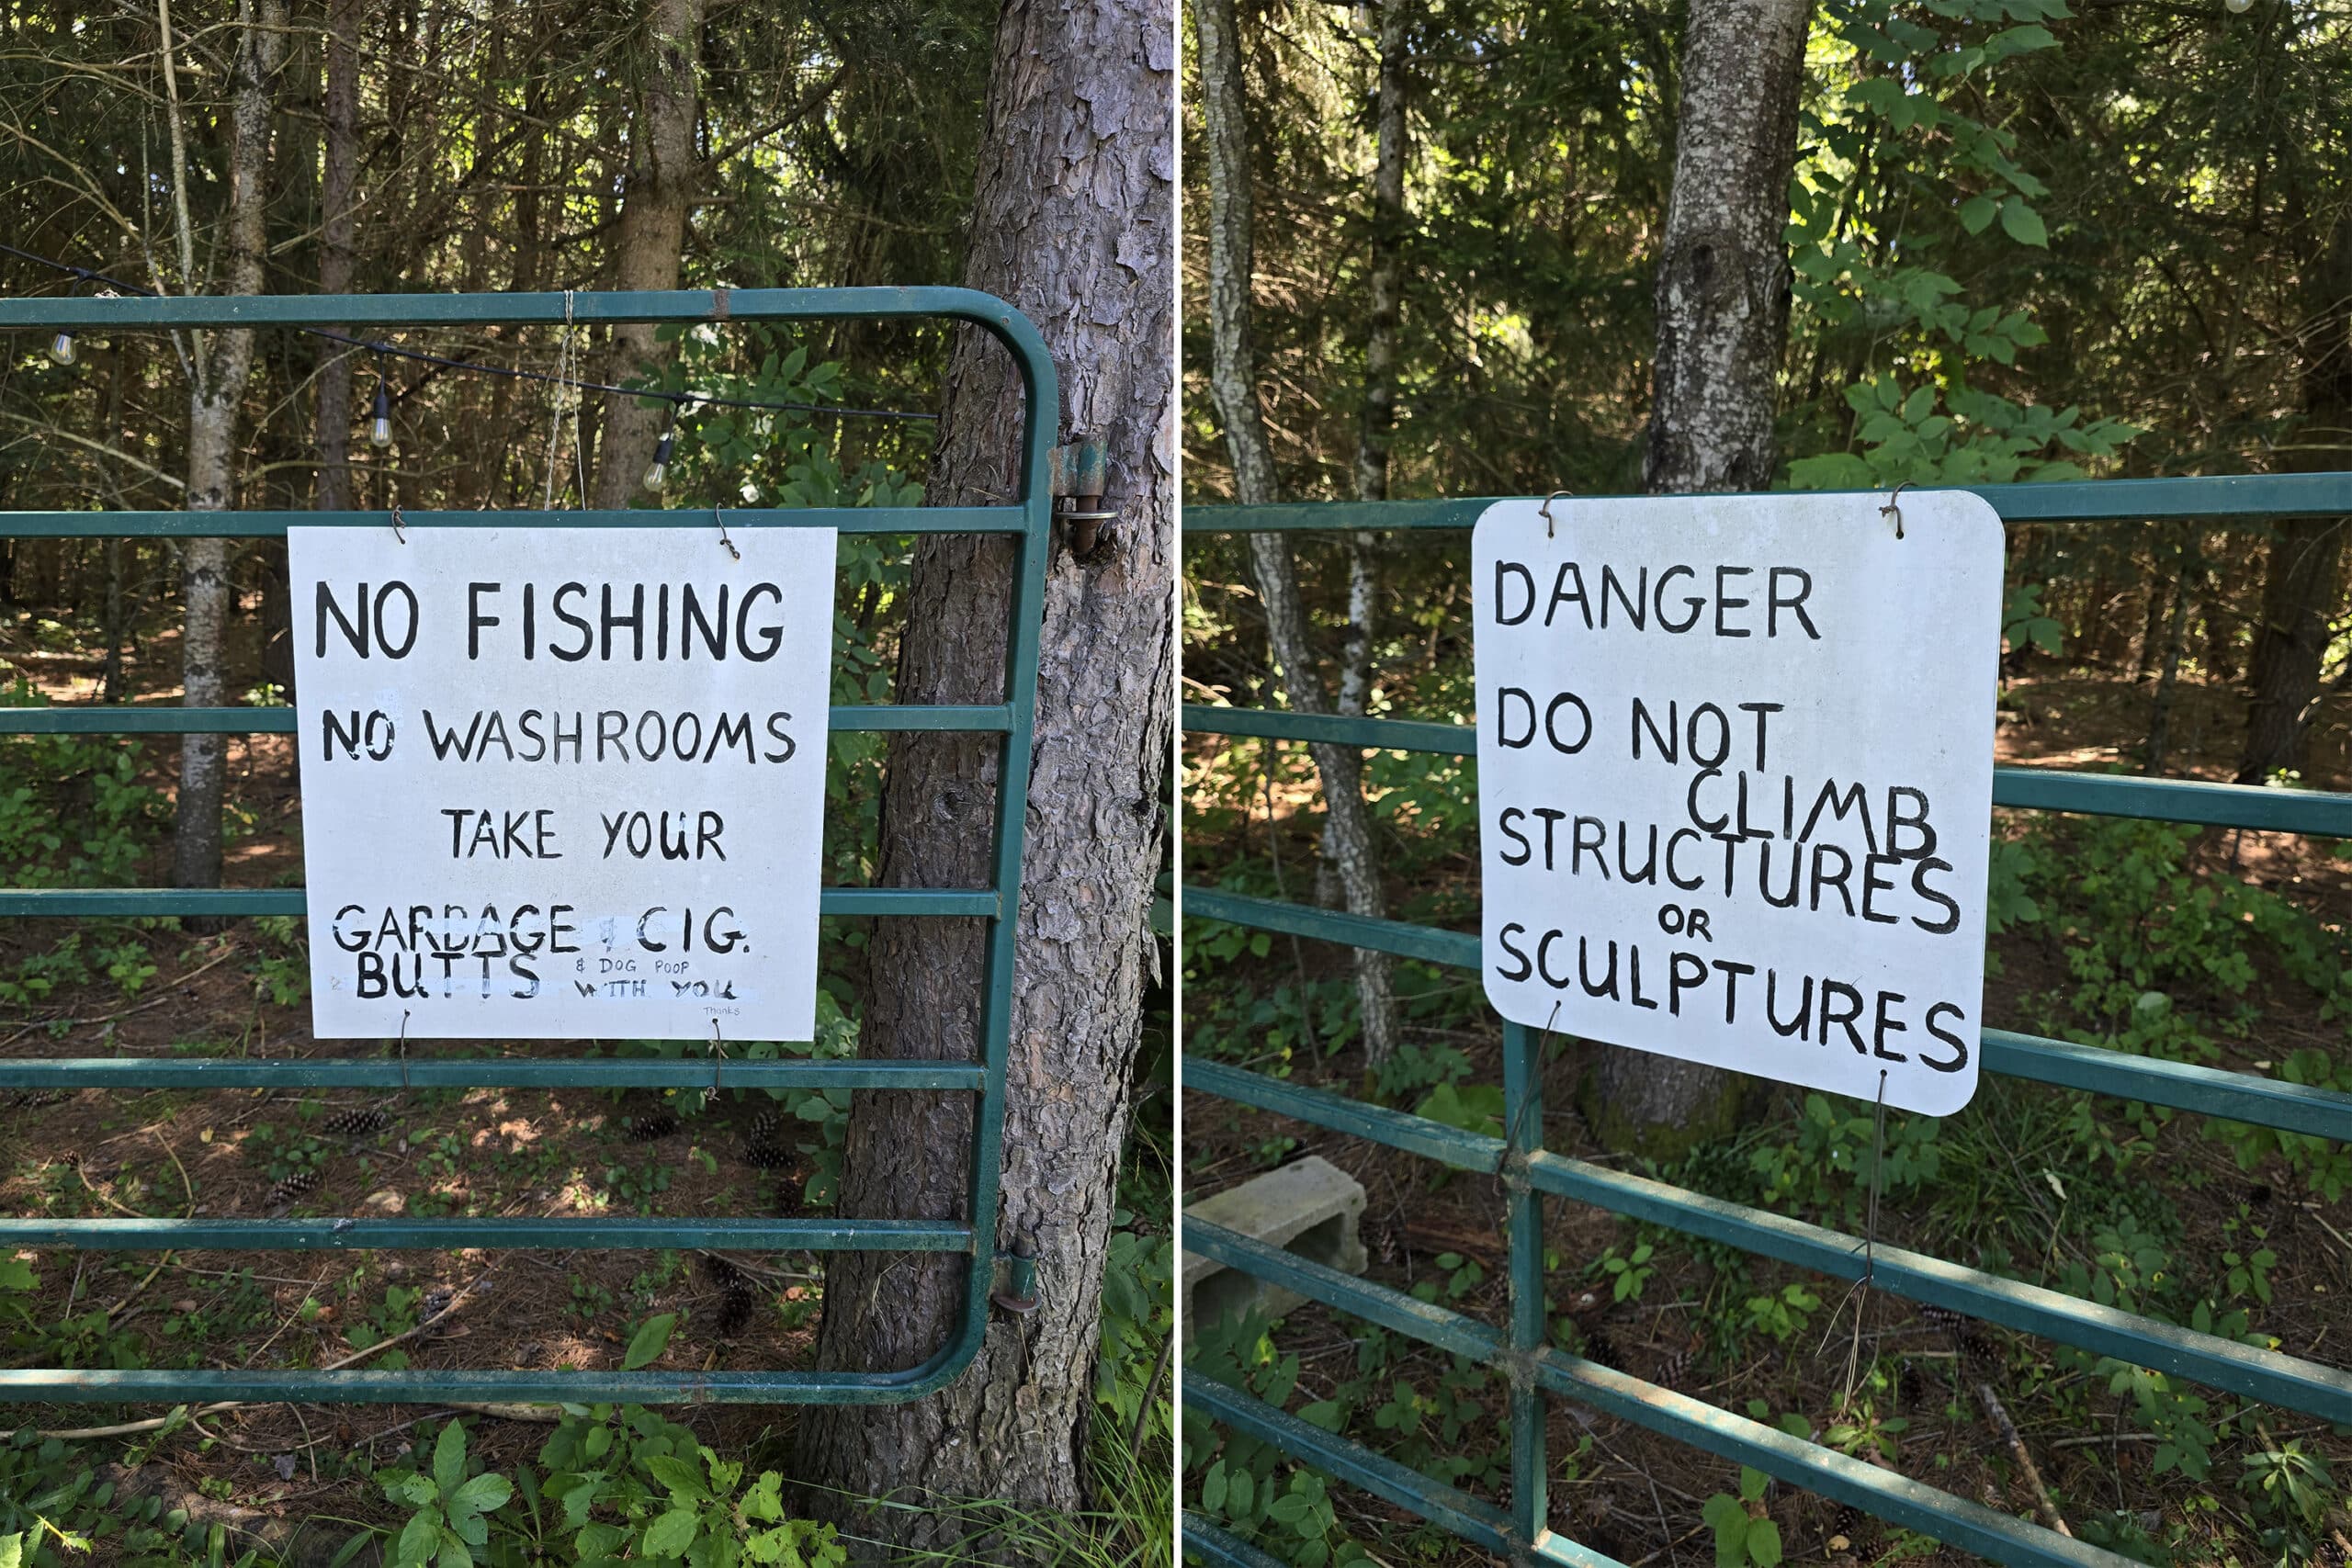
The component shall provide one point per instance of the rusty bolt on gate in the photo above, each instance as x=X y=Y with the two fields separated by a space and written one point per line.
x=1019 y=1295
x=1081 y=473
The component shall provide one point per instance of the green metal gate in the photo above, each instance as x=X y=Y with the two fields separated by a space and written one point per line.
x=1025 y=522
x=1521 y=1532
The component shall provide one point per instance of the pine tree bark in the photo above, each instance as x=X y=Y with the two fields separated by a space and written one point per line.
x=2300 y=591
x=222 y=361
x=650 y=245
x=1722 y=324
x=1347 y=845
x=1074 y=222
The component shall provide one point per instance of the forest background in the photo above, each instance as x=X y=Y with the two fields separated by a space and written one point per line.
x=340 y=147
x=2023 y=241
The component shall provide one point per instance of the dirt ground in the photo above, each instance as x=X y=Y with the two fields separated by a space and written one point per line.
x=455 y=1152
x=1637 y=1497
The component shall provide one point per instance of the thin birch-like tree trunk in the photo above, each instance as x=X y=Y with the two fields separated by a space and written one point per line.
x=1347 y=842
x=1722 y=324
x=662 y=175
x=221 y=361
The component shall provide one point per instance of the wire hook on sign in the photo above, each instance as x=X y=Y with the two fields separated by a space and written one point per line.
x=403 y=1048
x=739 y=555
x=1551 y=524
x=1892 y=508
x=400 y=529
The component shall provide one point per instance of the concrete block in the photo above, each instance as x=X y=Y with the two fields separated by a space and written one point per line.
x=1310 y=1207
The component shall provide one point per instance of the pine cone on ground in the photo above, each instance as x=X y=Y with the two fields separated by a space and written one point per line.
x=356 y=1123
x=762 y=1150
x=653 y=1127
x=735 y=1305
x=737 y=1295
x=301 y=1184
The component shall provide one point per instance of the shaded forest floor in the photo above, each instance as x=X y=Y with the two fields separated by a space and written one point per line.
x=2161 y=1214
x=301 y=1479
x=147 y=988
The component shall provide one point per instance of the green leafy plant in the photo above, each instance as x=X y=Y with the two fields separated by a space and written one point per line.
x=1628 y=1273
x=451 y=1520
x=1744 y=1535
x=1783 y=1313
x=1474 y=1108
x=391 y=1317
x=2289 y=1482
x=633 y=1486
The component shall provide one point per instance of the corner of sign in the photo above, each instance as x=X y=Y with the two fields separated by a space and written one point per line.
x=1971 y=510
x=1502 y=512
x=1963 y=1094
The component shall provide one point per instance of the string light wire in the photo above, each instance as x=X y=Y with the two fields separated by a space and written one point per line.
x=576 y=384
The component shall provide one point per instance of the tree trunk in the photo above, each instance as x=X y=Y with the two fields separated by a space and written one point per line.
x=331 y=488
x=2152 y=626
x=338 y=230
x=1383 y=290
x=1723 y=274
x=2300 y=592
x=2220 y=655
x=1074 y=222
x=1384 y=278
x=2175 y=636
x=652 y=244
x=222 y=360
x=2297 y=595
x=1722 y=322
x=1347 y=842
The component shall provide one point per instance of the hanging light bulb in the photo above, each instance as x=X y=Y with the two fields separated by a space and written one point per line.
x=2239 y=7
x=657 y=472
x=380 y=417
x=61 y=349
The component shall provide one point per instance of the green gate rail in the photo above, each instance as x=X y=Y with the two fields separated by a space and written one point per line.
x=1026 y=522
x=1530 y=1174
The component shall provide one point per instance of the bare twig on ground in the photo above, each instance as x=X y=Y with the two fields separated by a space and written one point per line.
x=171 y=994
x=127 y=1429
x=2044 y=1509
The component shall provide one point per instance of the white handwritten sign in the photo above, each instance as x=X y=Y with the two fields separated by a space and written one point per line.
x=562 y=783
x=1734 y=780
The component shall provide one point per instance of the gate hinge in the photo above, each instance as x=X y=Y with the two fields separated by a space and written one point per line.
x=1018 y=1294
x=1081 y=472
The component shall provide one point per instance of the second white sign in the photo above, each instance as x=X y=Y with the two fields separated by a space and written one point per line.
x=1734 y=780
